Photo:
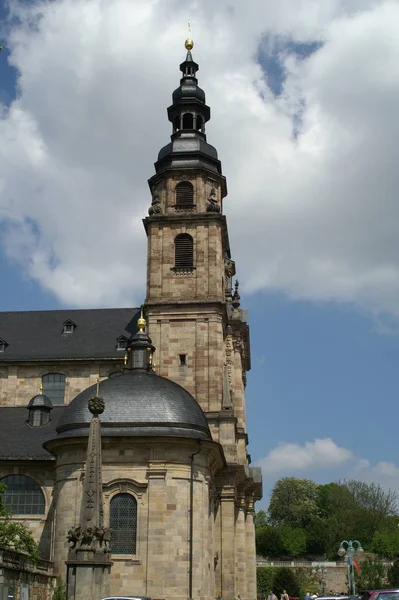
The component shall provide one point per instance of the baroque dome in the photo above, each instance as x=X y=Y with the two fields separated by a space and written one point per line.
x=137 y=403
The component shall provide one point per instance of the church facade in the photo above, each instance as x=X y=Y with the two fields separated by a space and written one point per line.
x=178 y=488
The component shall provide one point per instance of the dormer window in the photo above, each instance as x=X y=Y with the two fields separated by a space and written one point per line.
x=69 y=327
x=121 y=343
x=3 y=345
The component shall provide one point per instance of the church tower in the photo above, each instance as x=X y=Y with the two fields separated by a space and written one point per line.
x=194 y=315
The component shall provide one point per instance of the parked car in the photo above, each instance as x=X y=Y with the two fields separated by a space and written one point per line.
x=126 y=598
x=380 y=595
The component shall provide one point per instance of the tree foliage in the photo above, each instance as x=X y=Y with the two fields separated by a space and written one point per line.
x=373 y=575
x=260 y=519
x=14 y=535
x=293 y=540
x=393 y=574
x=268 y=541
x=304 y=517
x=59 y=590
x=286 y=579
x=293 y=502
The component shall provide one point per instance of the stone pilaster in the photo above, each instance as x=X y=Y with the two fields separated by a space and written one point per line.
x=228 y=555
x=157 y=560
x=241 y=558
x=250 y=550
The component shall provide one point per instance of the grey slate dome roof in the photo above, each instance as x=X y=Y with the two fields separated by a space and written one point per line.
x=137 y=403
x=40 y=400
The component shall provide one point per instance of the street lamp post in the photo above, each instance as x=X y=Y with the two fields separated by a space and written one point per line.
x=350 y=549
x=320 y=572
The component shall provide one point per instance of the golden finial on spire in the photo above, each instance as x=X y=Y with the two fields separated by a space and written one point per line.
x=141 y=322
x=41 y=388
x=189 y=44
x=125 y=360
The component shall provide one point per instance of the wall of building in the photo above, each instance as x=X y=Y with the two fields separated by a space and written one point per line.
x=157 y=474
x=19 y=383
x=21 y=579
x=43 y=474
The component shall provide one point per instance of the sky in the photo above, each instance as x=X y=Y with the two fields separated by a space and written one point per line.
x=303 y=96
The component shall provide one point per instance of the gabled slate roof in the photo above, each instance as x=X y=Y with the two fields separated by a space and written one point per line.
x=20 y=441
x=38 y=335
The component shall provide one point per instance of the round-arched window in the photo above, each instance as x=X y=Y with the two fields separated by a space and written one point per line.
x=23 y=495
x=184 y=251
x=123 y=522
x=184 y=194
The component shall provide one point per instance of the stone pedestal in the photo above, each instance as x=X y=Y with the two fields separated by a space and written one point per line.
x=88 y=578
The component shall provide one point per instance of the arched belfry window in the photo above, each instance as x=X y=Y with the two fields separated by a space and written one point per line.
x=184 y=252
x=188 y=121
x=184 y=194
x=123 y=522
x=23 y=495
x=53 y=385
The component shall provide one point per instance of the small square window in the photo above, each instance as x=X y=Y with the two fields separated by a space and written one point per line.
x=183 y=360
x=68 y=328
x=121 y=344
x=2 y=347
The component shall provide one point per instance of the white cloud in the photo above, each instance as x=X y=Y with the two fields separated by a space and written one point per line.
x=287 y=458
x=314 y=217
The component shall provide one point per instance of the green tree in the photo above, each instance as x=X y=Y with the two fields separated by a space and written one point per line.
x=386 y=543
x=373 y=509
x=286 y=579
x=260 y=519
x=268 y=542
x=293 y=502
x=265 y=579
x=373 y=575
x=393 y=574
x=293 y=540
x=14 y=535
x=59 y=590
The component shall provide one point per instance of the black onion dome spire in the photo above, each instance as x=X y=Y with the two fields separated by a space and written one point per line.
x=188 y=114
x=140 y=348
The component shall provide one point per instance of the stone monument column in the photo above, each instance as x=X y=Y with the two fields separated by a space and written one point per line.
x=89 y=561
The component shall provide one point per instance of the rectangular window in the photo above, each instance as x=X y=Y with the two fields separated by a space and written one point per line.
x=183 y=360
x=54 y=387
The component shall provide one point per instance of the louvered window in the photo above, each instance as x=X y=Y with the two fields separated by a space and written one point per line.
x=184 y=252
x=184 y=194
x=123 y=522
x=23 y=496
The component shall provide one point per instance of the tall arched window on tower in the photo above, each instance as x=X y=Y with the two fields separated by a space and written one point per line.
x=188 y=121
x=184 y=252
x=54 y=387
x=23 y=495
x=123 y=522
x=184 y=194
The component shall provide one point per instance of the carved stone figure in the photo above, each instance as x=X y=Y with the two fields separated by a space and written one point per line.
x=212 y=204
x=104 y=537
x=74 y=535
x=229 y=271
x=156 y=207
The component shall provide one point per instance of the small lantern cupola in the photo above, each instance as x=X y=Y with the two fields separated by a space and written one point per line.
x=189 y=111
x=140 y=349
x=39 y=410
